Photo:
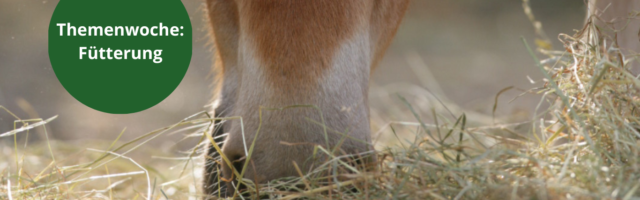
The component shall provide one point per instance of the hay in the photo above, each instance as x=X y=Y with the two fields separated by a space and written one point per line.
x=585 y=146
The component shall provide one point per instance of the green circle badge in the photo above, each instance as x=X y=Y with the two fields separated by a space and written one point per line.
x=120 y=56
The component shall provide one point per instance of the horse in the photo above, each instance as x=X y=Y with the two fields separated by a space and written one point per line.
x=296 y=75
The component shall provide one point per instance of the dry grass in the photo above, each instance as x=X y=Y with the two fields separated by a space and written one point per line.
x=94 y=169
x=585 y=146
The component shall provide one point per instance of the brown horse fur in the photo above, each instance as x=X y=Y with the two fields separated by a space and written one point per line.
x=280 y=53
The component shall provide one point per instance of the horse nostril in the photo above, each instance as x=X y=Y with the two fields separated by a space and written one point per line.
x=238 y=163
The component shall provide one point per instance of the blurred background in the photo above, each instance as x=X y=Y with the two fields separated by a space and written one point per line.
x=462 y=51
